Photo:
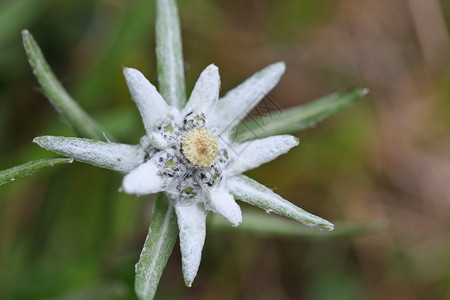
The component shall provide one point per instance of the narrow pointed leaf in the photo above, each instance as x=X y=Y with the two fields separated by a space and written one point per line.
x=254 y=193
x=31 y=167
x=158 y=245
x=80 y=121
x=297 y=118
x=262 y=224
x=117 y=157
x=169 y=53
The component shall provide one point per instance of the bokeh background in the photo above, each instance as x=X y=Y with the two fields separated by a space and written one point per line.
x=67 y=233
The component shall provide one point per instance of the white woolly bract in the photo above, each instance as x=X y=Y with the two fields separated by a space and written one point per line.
x=252 y=154
x=206 y=92
x=222 y=203
x=191 y=221
x=254 y=193
x=153 y=108
x=144 y=179
x=118 y=157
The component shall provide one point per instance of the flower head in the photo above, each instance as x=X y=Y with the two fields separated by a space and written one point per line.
x=189 y=153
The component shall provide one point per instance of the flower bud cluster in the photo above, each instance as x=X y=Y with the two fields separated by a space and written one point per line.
x=192 y=159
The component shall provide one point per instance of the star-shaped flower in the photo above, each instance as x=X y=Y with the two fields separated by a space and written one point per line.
x=190 y=154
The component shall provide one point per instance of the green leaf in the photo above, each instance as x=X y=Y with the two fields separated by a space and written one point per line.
x=158 y=245
x=257 y=223
x=31 y=167
x=81 y=122
x=169 y=53
x=254 y=193
x=297 y=118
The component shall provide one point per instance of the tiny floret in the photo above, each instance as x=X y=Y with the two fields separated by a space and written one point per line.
x=200 y=147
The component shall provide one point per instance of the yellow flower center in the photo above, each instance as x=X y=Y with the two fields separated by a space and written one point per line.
x=200 y=147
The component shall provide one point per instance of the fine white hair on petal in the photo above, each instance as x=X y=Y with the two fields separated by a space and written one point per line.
x=144 y=179
x=157 y=140
x=205 y=94
x=118 y=157
x=222 y=203
x=254 y=193
x=191 y=221
x=237 y=103
x=252 y=154
x=151 y=105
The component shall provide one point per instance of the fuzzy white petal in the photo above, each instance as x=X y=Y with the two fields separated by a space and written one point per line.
x=143 y=180
x=237 y=103
x=158 y=141
x=191 y=221
x=222 y=203
x=206 y=92
x=252 y=154
x=254 y=193
x=150 y=103
x=118 y=157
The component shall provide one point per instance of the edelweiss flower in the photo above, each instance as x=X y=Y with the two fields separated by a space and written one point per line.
x=189 y=153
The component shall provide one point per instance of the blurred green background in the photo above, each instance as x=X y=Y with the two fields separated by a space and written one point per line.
x=67 y=233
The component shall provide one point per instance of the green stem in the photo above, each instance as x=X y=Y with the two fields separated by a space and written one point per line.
x=169 y=53
x=158 y=246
